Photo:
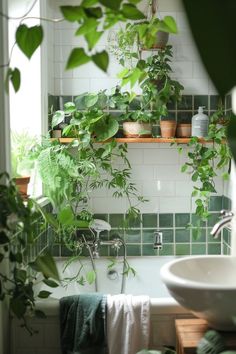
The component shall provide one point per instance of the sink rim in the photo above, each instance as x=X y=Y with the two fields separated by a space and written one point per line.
x=173 y=280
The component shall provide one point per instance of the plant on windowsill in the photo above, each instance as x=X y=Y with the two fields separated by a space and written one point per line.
x=204 y=163
x=22 y=166
x=19 y=224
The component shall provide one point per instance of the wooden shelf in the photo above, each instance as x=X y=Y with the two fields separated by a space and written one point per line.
x=142 y=140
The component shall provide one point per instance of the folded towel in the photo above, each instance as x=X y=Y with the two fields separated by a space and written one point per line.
x=82 y=319
x=128 y=323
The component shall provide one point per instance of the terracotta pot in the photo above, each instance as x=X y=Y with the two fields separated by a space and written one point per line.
x=22 y=184
x=162 y=39
x=56 y=133
x=183 y=130
x=168 y=128
x=135 y=129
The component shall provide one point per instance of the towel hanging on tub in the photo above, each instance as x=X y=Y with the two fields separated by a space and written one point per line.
x=128 y=323
x=82 y=319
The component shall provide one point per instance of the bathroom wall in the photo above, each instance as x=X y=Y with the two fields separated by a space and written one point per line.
x=155 y=167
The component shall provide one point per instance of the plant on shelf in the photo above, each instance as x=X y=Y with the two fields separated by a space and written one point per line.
x=88 y=118
x=19 y=225
x=159 y=89
x=205 y=162
x=22 y=143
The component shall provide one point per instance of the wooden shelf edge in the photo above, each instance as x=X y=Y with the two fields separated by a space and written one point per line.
x=142 y=140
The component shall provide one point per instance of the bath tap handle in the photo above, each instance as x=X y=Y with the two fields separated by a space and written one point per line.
x=226 y=213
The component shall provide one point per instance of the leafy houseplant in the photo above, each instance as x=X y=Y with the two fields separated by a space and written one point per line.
x=22 y=143
x=19 y=222
x=205 y=160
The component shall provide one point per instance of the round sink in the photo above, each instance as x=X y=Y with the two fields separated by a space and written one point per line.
x=206 y=285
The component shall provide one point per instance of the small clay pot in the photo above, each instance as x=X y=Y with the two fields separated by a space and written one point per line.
x=168 y=128
x=183 y=130
x=56 y=133
x=22 y=185
x=135 y=129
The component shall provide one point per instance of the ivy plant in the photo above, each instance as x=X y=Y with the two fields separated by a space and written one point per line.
x=19 y=222
x=205 y=162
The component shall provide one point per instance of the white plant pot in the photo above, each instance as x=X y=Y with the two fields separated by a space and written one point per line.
x=137 y=129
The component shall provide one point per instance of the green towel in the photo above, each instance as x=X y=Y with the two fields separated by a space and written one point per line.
x=82 y=322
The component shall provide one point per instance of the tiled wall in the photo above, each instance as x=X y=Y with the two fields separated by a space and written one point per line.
x=177 y=240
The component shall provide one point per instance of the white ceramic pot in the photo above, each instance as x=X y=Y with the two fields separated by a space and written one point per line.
x=137 y=129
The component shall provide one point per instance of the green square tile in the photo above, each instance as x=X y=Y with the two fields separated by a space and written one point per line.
x=133 y=236
x=210 y=238
x=65 y=252
x=226 y=235
x=171 y=105
x=167 y=236
x=186 y=103
x=214 y=248
x=148 y=250
x=114 y=233
x=104 y=251
x=214 y=102
x=213 y=219
x=116 y=220
x=226 y=203
x=134 y=223
x=215 y=203
x=199 y=248
x=55 y=251
x=182 y=249
x=201 y=236
x=114 y=252
x=133 y=250
x=101 y=216
x=228 y=102
x=201 y=100
x=184 y=117
x=149 y=220
x=196 y=221
x=181 y=219
x=167 y=250
x=226 y=250
x=166 y=220
x=182 y=235
x=148 y=236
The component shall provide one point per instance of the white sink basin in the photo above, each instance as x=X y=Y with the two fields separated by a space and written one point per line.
x=206 y=285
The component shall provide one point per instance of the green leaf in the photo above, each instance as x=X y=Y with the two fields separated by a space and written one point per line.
x=184 y=168
x=92 y=38
x=170 y=23
x=20 y=275
x=105 y=128
x=18 y=307
x=111 y=4
x=46 y=265
x=57 y=118
x=43 y=294
x=195 y=176
x=90 y=100
x=66 y=216
x=211 y=39
x=101 y=60
x=95 y=12
x=88 y=3
x=50 y=283
x=72 y=13
x=231 y=136
x=91 y=276
x=90 y=24
x=132 y=13
x=77 y=57
x=29 y=39
x=69 y=107
x=15 y=77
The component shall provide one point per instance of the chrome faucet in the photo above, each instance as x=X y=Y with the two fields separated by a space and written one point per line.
x=225 y=221
x=157 y=245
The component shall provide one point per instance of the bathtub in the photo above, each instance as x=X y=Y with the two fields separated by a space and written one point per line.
x=164 y=309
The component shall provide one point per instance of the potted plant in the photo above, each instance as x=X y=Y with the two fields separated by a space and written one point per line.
x=21 y=163
x=159 y=89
